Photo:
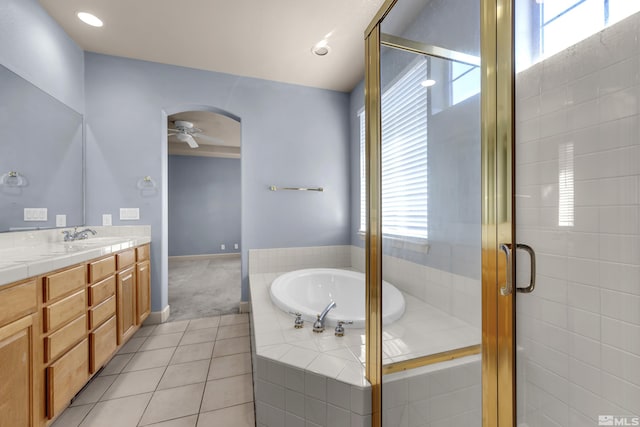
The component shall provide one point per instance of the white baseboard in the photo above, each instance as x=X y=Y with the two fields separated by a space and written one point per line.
x=203 y=257
x=244 y=307
x=156 y=317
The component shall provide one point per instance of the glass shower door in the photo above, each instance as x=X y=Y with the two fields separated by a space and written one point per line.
x=577 y=204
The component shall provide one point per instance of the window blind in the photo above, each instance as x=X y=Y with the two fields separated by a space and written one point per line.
x=404 y=156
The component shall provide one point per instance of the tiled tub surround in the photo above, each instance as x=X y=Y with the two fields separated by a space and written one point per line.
x=27 y=254
x=318 y=379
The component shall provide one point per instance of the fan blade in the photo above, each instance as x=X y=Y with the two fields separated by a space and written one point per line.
x=209 y=138
x=192 y=142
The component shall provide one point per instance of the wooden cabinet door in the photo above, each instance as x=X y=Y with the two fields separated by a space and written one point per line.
x=126 y=307
x=17 y=360
x=143 y=278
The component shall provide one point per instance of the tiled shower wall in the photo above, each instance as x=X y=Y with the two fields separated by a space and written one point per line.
x=578 y=189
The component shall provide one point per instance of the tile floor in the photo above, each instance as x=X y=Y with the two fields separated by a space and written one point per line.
x=189 y=373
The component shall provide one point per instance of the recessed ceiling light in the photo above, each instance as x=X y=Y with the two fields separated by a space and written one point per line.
x=321 y=48
x=428 y=83
x=90 y=19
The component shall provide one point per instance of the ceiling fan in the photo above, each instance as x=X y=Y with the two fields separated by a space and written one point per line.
x=185 y=131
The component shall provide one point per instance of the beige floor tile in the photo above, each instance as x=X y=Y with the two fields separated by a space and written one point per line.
x=124 y=412
x=144 y=331
x=234 y=416
x=192 y=352
x=233 y=331
x=171 y=327
x=132 y=345
x=173 y=403
x=179 y=422
x=136 y=382
x=207 y=322
x=94 y=390
x=184 y=374
x=229 y=366
x=161 y=341
x=227 y=392
x=198 y=336
x=231 y=346
x=233 y=319
x=117 y=364
x=72 y=417
x=149 y=359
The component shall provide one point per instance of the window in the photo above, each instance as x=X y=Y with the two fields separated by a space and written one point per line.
x=404 y=156
x=566 y=22
x=465 y=81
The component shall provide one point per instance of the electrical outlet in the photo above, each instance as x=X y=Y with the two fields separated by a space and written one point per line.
x=235 y=246
x=223 y=247
x=61 y=220
x=106 y=220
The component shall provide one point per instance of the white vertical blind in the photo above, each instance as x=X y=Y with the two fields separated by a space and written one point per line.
x=404 y=156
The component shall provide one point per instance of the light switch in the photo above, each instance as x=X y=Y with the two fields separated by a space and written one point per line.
x=235 y=246
x=106 y=219
x=223 y=247
x=35 y=214
x=61 y=220
x=129 y=214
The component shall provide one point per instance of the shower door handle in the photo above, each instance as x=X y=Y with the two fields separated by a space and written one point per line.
x=532 y=276
x=507 y=289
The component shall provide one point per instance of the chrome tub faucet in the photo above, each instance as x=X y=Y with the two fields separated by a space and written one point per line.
x=318 y=325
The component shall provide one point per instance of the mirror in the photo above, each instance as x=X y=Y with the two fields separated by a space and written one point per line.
x=41 y=158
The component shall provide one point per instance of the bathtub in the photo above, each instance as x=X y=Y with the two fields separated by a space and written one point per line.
x=309 y=291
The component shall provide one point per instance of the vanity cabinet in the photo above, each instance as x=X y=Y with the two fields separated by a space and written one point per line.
x=18 y=347
x=58 y=329
x=126 y=291
x=143 y=283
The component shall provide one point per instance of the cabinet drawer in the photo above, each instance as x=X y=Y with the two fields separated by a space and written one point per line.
x=103 y=343
x=65 y=310
x=101 y=312
x=17 y=301
x=66 y=377
x=101 y=269
x=126 y=258
x=56 y=343
x=65 y=282
x=102 y=290
x=142 y=253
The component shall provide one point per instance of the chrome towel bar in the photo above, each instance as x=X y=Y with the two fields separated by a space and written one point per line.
x=274 y=188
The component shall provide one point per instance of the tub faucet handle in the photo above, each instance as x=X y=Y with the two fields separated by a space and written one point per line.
x=339 y=331
x=318 y=325
x=298 y=323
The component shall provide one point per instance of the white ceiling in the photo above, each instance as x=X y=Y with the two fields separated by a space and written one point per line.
x=267 y=39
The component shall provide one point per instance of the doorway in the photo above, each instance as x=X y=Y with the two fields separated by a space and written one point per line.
x=203 y=214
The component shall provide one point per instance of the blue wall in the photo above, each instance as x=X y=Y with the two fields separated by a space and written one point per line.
x=204 y=205
x=291 y=136
x=34 y=46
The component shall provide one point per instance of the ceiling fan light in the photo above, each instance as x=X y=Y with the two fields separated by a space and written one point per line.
x=183 y=137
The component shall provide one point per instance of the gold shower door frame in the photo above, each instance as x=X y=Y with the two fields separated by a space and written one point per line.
x=497 y=107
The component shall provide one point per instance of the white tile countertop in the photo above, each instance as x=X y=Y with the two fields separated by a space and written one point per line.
x=32 y=253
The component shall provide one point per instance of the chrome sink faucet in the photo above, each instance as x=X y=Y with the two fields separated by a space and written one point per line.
x=318 y=325
x=77 y=235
